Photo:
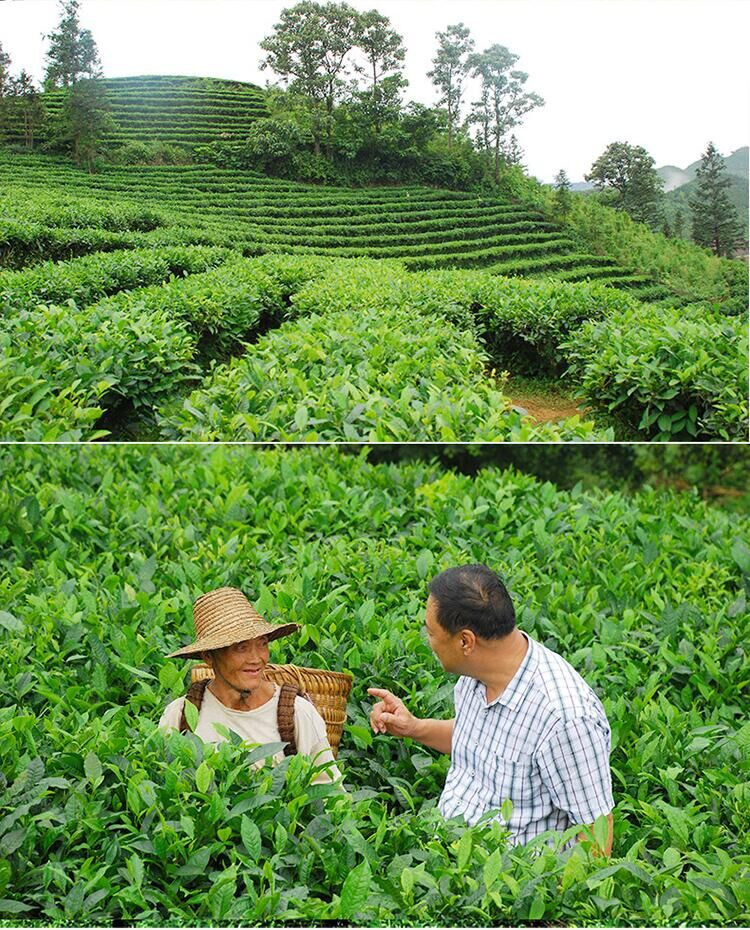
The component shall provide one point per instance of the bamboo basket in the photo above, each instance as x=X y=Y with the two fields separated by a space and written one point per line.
x=329 y=691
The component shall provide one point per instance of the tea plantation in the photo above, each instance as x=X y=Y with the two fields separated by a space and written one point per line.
x=105 y=820
x=190 y=302
x=176 y=111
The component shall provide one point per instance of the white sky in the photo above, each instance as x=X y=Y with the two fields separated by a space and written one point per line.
x=665 y=74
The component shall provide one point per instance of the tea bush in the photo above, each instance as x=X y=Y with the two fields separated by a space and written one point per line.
x=104 y=820
x=200 y=204
x=86 y=279
x=670 y=374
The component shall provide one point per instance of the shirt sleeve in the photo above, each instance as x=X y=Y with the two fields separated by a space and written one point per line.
x=574 y=765
x=312 y=739
x=172 y=714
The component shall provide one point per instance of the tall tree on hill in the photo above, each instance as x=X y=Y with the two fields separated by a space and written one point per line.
x=449 y=71
x=678 y=227
x=5 y=88
x=27 y=105
x=504 y=101
x=72 y=53
x=384 y=51
x=626 y=172
x=715 y=222
x=85 y=119
x=308 y=48
x=563 y=201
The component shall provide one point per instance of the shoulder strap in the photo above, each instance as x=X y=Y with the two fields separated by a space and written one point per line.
x=195 y=695
x=285 y=716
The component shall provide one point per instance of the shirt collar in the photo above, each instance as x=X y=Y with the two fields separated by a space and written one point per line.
x=519 y=683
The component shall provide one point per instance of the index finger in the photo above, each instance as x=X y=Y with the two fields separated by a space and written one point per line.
x=381 y=693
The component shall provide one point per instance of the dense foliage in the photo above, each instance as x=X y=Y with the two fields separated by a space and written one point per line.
x=343 y=349
x=104 y=819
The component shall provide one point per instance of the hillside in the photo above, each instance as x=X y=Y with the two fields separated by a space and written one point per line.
x=423 y=227
x=175 y=110
x=679 y=198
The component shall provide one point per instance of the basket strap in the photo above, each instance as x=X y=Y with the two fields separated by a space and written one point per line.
x=285 y=717
x=195 y=695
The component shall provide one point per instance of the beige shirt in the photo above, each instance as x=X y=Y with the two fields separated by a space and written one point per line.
x=261 y=726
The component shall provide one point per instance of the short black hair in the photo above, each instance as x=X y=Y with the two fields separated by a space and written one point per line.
x=472 y=597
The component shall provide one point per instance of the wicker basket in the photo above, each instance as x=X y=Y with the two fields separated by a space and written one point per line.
x=329 y=691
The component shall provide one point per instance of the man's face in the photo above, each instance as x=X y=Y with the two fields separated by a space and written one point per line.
x=243 y=663
x=445 y=645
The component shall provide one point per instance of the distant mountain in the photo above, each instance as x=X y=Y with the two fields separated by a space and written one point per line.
x=736 y=164
x=677 y=200
x=674 y=177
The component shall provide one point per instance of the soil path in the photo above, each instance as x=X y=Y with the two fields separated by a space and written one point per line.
x=544 y=408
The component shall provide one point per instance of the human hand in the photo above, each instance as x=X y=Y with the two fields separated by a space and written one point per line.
x=390 y=715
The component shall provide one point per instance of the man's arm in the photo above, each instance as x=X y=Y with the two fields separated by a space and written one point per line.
x=596 y=851
x=391 y=715
x=437 y=734
x=574 y=765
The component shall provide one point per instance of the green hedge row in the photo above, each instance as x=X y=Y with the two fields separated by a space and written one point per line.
x=79 y=212
x=357 y=367
x=87 y=279
x=140 y=346
x=672 y=373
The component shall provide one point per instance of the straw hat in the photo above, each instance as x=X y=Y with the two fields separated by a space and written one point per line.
x=224 y=617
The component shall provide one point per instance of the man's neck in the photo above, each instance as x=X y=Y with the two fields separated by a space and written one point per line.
x=245 y=700
x=497 y=665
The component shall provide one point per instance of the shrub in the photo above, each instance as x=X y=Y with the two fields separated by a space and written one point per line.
x=670 y=373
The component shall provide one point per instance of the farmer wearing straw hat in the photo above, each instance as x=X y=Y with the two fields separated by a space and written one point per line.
x=232 y=638
x=527 y=728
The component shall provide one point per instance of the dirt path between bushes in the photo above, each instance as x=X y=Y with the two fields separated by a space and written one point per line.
x=544 y=407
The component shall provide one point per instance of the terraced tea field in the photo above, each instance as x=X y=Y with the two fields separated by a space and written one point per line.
x=422 y=227
x=104 y=821
x=179 y=111
x=329 y=313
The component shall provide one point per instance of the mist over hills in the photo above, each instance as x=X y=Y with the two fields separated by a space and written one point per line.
x=674 y=177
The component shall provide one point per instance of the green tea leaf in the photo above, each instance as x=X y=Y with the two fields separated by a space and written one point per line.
x=492 y=868
x=191 y=715
x=464 y=850
x=10 y=622
x=203 y=777
x=536 y=911
x=7 y=906
x=92 y=766
x=250 y=837
x=424 y=563
x=671 y=857
x=356 y=890
x=601 y=831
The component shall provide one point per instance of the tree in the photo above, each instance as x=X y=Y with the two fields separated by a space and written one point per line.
x=503 y=102
x=715 y=222
x=512 y=151
x=4 y=71
x=450 y=69
x=85 y=118
x=563 y=200
x=666 y=230
x=627 y=173
x=72 y=53
x=384 y=52
x=5 y=88
x=678 y=228
x=27 y=105
x=308 y=48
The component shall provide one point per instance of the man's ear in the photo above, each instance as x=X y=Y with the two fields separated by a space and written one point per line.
x=468 y=641
x=208 y=658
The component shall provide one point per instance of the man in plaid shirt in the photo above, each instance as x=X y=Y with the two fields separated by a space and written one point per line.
x=527 y=726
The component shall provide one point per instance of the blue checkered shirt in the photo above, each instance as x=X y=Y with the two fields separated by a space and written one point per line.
x=544 y=743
